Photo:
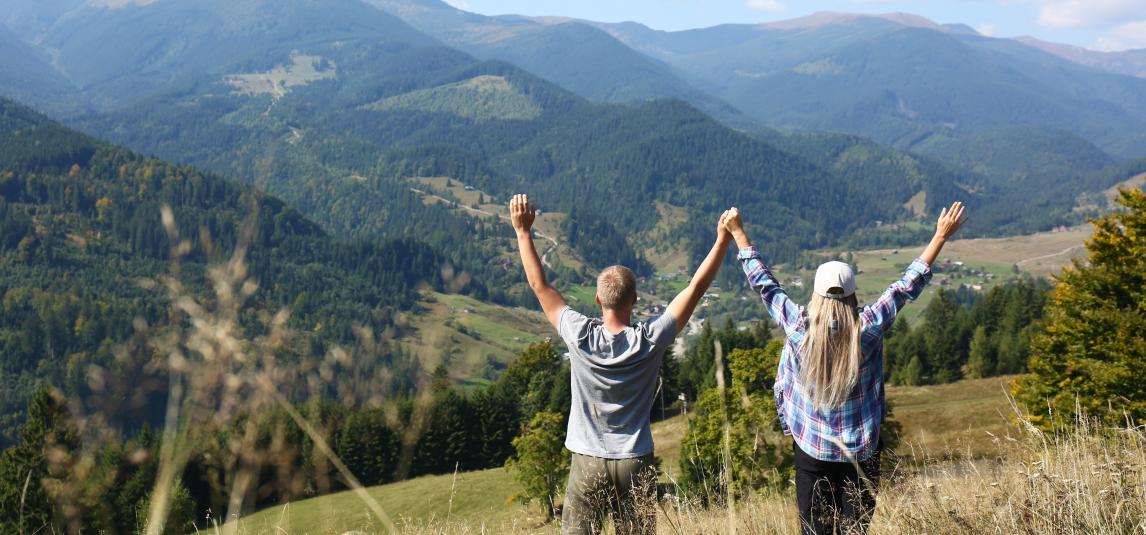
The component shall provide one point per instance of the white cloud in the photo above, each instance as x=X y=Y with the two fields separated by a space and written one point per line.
x=460 y=4
x=771 y=6
x=986 y=28
x=1125 y=36
x=1089 y=13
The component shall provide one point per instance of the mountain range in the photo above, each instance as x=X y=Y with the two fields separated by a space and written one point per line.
x=333 y=104
x=321 y=116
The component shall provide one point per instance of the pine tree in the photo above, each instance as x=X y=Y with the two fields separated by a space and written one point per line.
x=945 y=335
x=369 y=447
x=913 y=372
x=25 y=506
x=1093 y=346
x=981 y=363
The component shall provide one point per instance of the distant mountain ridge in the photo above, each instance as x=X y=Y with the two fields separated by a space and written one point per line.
x=897 y=78
x=1129 y=62
x=374 y=100
x=571 y=53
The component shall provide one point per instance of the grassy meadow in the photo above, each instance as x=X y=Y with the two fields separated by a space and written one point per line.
x=470 y=336
x=943 y=426
x=985 y=262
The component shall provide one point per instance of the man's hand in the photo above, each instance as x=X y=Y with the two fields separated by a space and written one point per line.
x=721 y=228
x=521 y=213
x=735 y=226
x=950 y=220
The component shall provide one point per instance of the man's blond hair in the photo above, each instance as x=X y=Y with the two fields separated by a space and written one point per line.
x=616 y=287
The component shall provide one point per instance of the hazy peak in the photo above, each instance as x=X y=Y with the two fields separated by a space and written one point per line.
x=828 y=18
x=118 y=4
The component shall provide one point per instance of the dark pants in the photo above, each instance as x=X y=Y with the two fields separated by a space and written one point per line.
x=624 y=487
x=833 y=499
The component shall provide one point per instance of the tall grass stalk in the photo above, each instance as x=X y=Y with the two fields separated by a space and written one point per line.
x=730 y=490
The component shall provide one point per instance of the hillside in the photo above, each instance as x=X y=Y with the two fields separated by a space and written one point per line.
x=1129 y=62
x=26 y=75
x=81 y=229
x=938 y=421
x=173 y=44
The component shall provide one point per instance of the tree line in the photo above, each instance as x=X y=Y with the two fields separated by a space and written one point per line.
x=436 y=431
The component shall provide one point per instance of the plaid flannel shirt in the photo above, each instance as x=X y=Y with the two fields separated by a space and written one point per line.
x=855 y=424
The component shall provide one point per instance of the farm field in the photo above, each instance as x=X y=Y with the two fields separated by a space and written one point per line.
x=473 y=338
x=979 y=263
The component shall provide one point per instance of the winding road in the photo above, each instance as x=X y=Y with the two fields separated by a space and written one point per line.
x=1052 y=255
x=544 y=256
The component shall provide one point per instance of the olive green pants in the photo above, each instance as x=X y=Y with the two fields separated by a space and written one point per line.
x=624 y=487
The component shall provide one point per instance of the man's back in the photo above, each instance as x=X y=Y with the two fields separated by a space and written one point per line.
x=614 y=382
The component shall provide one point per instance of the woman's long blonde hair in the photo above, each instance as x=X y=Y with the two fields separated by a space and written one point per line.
x=830 y=354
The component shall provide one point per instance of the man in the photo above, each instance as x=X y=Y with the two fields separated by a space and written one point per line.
x=614 y=366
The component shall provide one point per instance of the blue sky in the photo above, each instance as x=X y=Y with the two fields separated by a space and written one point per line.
x=1097 y=24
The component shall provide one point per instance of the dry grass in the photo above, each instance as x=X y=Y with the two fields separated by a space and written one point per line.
x=1038 y=254
x=1088 y=481
x=970 y=418
x=278 y=81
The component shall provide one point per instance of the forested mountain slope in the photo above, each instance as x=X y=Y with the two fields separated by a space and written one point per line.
x=27 y=75
x=898 y=80
x=80 y=228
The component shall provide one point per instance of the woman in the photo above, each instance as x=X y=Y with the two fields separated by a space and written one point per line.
x=829 y=385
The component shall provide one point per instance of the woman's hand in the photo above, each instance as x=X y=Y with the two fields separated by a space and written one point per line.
x=735 y=226
x=950 y=220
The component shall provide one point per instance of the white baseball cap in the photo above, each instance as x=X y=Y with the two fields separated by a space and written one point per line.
x=835 y=280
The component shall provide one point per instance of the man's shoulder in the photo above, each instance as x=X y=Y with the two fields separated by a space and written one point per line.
x=572 y=325
x=659 y=328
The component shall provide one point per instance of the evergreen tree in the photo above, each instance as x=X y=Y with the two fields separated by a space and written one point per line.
x=180 y=518
x=445 y=444
x=913 y=373
x=1093 y=347
x=25 y=471
x=369 y=447
x=945 y=334
x=497 y=424
x=981 y=362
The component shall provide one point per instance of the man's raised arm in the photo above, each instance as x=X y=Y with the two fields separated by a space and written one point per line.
x=685 y=302
x=521 y=215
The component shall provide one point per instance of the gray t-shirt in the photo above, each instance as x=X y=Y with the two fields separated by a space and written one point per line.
x=614 y=381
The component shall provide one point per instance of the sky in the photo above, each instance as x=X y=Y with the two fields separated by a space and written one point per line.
x=1095 y=24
